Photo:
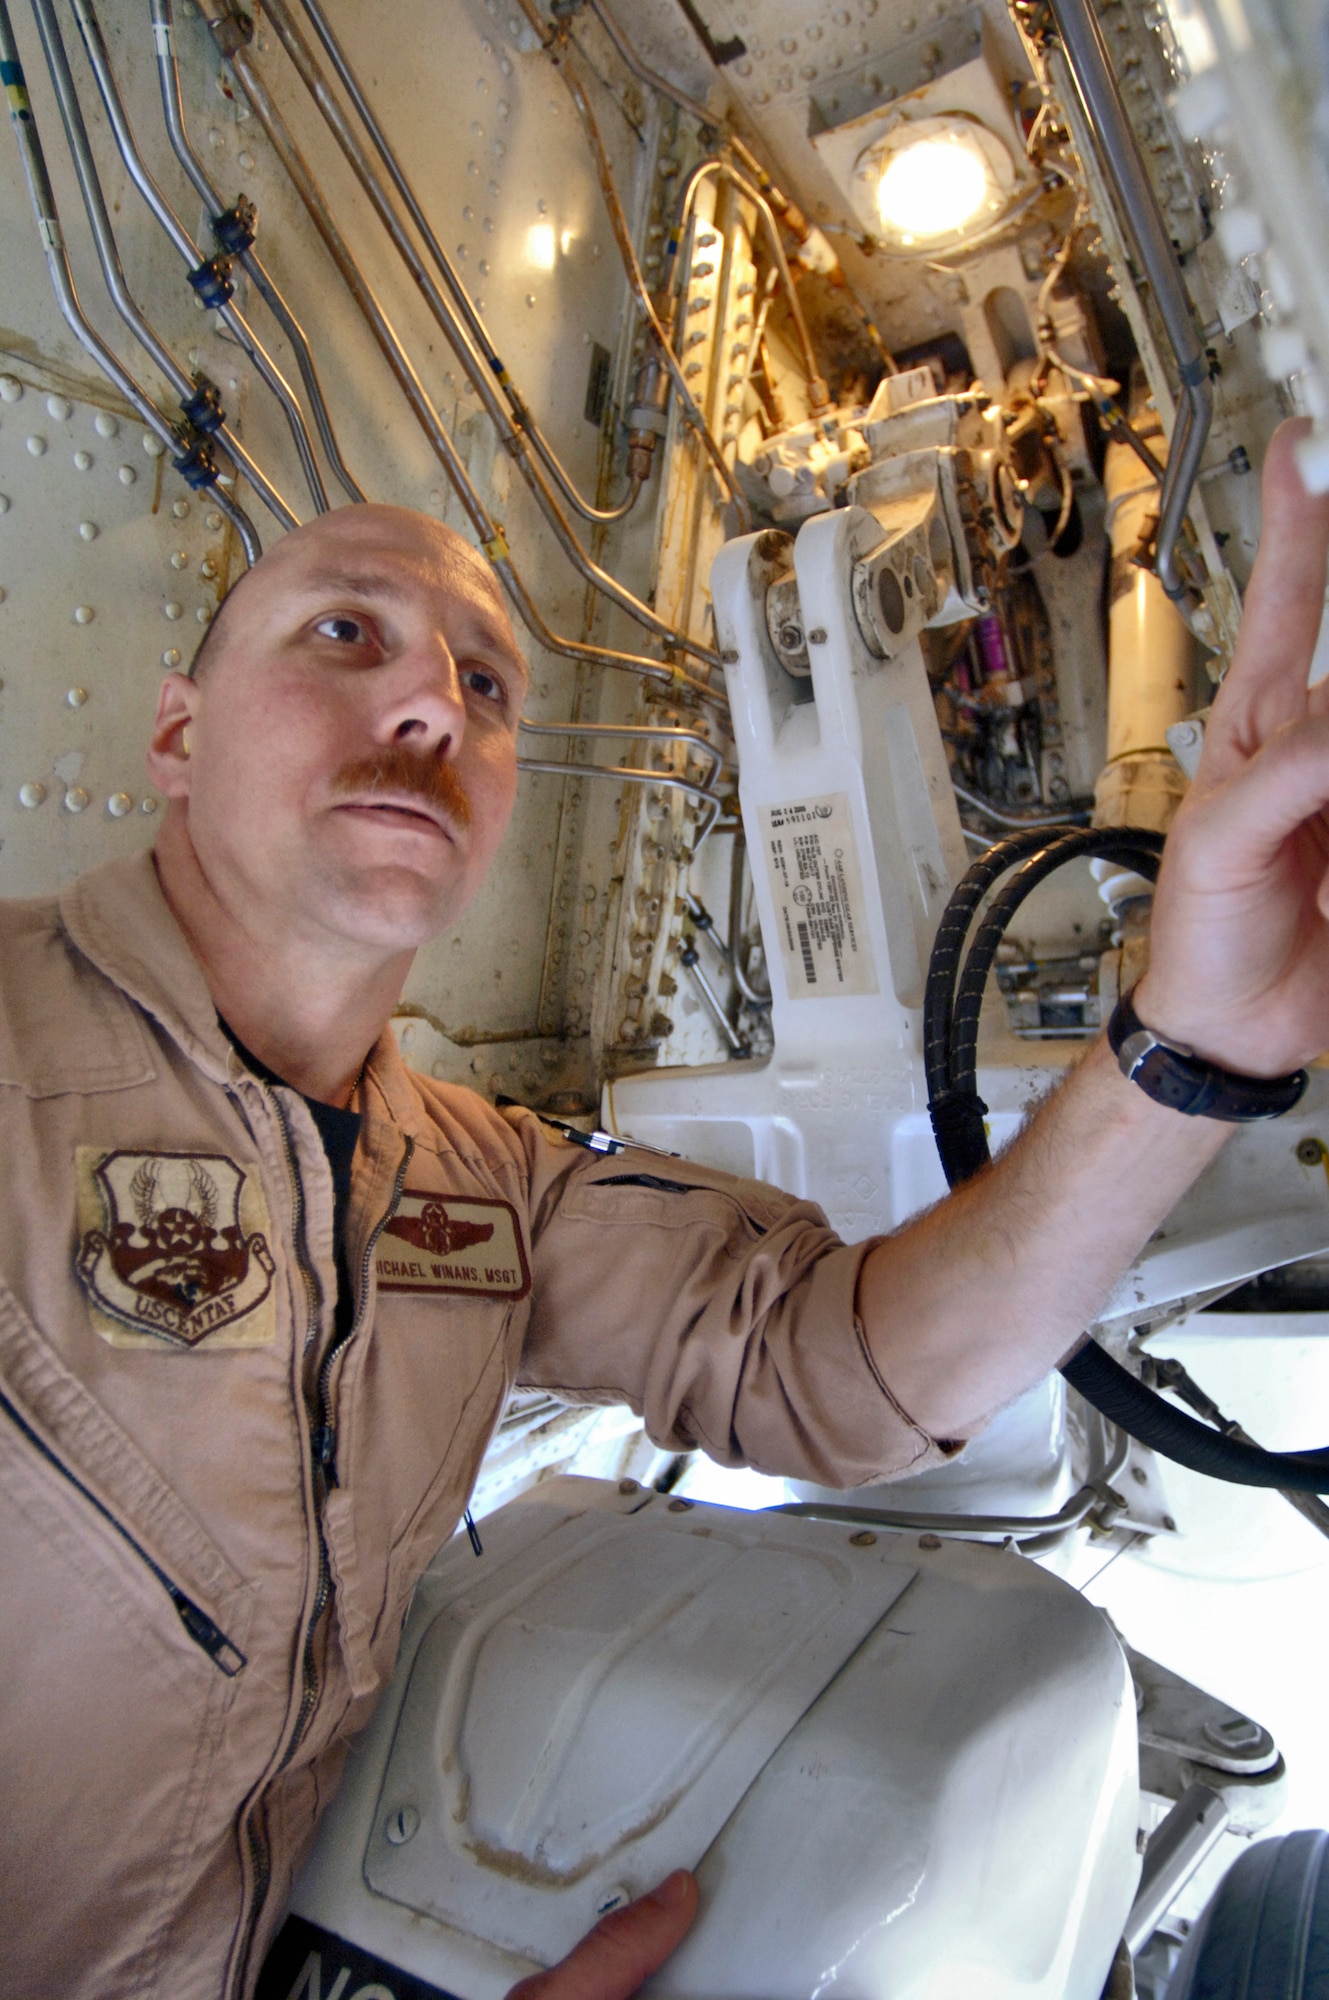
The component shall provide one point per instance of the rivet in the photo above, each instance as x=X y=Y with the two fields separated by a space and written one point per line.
x=106 y=425
x=83 y=614
x=4 y=503
x=31 y=795
x=207 y=567
x=628 y=1486
x=152 y=444
x=530 y=298
x=929 y=1541
x=246 y=161
x=173 y=610
x=402 y=1825
x=171 y=657
x=203 y=615
x=119 y=804
x=180 y=509
x=10 y=388
x=148 y=805
x=864 y=1539
x=214 y=521
x=76 y=799
x=88 y=530
x=126 y=475
x=1310 y=1152
x=82 y=460
x=681 y=1506
x=76 y=697
x=178 y=558
x=3 y=595
x=37 y=445
x=58 y=407
x=817 y=636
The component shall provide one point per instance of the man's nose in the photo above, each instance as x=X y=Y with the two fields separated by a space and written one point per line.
x=425 y=705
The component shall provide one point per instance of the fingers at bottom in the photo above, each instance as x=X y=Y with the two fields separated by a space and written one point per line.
x=622 y=1950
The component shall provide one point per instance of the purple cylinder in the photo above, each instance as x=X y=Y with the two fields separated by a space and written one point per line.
x=993 y=650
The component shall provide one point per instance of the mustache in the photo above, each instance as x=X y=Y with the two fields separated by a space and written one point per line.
x=394 y=769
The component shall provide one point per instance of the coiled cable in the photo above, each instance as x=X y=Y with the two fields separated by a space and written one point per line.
x=951 y=1006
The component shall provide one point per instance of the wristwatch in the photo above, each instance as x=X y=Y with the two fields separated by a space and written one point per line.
x=1182 y=1081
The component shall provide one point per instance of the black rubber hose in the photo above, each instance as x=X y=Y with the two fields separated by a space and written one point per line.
x=951 y=1006
x=944 y=965
x=1127 y=848
x=1126 y=1402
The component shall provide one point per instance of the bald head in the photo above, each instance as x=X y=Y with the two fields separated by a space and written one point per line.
x=346 y=536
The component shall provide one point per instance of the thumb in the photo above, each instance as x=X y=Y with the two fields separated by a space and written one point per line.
x=623 y=1949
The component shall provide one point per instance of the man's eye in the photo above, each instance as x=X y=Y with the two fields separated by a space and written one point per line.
x=346 y=631
x=483 y=683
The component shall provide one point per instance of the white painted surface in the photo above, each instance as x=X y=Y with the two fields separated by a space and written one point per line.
x=953 y=1817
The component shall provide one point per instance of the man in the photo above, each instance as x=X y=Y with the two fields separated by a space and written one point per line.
x=265 y=1290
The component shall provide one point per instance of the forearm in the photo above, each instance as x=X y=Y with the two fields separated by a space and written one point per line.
x=977 y=1299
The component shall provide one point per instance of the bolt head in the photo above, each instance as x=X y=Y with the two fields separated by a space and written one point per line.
x=402 y=1825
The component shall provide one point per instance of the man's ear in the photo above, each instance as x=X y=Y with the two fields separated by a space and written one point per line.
x=171 y=747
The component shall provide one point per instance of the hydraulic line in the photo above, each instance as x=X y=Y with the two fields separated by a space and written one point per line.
x=62 y=281
x=652 y=78
x=649 y=732
x=618 y=222
x=185 y=387
x=316 y=83
x=168 y=75
x=1014 y=1527
x=818 y=394
x=1082 y=40
x=490 y=361
x=94 y=43
x=232 y=42
x=950 y=1043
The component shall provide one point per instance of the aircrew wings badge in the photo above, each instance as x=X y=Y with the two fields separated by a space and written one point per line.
x=443 y=1243
x=173 y=1248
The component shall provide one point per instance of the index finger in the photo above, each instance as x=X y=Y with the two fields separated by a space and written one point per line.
x=1266 y=684
x=623 y=1949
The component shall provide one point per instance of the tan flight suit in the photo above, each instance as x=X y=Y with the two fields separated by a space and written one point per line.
x=211 y=1515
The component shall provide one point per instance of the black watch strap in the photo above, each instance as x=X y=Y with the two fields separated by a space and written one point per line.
x=1183 y=1082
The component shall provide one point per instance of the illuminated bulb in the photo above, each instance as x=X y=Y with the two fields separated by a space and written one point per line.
x=933 y=187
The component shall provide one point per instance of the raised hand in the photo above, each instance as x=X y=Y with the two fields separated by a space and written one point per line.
x=1239 y=953
x=623 y=1948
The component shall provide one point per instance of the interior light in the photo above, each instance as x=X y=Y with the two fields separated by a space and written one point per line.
x=933 y=186
x=540 y=245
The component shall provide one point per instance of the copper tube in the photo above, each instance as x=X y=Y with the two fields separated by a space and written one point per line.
x=818 y=394
x=618 y=222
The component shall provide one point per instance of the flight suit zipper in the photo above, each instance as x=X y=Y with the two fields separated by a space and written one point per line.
x=322 y=1456
x=203 y=1630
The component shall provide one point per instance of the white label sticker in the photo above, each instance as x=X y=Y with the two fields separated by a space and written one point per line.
x=812 y=862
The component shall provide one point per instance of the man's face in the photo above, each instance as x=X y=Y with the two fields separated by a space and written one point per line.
x=352 y=749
